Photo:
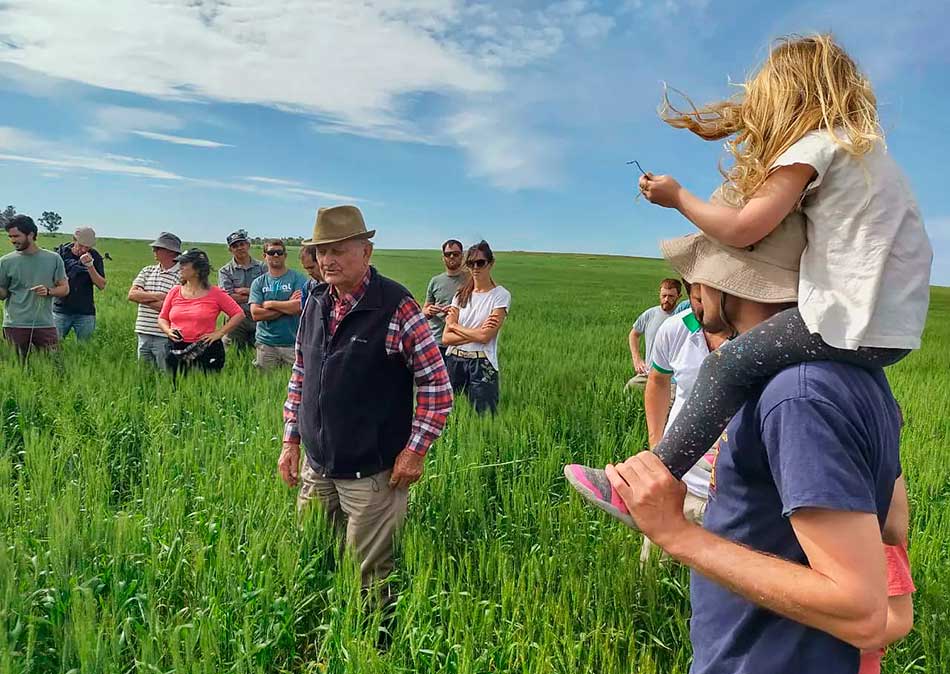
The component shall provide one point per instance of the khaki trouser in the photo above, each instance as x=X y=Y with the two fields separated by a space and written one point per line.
x=274 y=356
x=694 y=508
x=365 y=511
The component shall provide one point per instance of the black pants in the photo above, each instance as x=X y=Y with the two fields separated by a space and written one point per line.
x=732 y=374
x=477 y=378
x=211 y=360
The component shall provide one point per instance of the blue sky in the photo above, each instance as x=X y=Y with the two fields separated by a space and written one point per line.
x=510 y=121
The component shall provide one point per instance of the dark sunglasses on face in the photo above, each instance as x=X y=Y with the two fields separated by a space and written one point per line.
x=275 y=253
x=476 y=264
x=452 y=253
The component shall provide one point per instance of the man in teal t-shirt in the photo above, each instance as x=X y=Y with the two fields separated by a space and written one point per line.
x=275 y=305
x=30 y=278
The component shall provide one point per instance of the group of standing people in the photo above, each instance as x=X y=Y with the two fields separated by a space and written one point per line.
x=178 y=308
x=48 y=294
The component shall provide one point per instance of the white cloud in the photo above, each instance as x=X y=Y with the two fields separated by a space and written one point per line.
x=51 y=157
x=510 y=158
x=178 y=140
x=358 y=67
x=272 y=181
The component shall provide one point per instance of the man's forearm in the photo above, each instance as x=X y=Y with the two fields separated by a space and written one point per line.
x=286 y=307
x=259 y=313
x=789 y=589
x=656 y=405
x=60 y=289
x=98 y=279
x=4 y=293
x=634 y=341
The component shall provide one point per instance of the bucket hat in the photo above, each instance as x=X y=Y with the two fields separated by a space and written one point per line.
x=168 y=241
x=765 y=272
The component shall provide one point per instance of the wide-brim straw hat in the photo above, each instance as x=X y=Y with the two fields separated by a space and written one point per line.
x=765 y=272
x=338 y=223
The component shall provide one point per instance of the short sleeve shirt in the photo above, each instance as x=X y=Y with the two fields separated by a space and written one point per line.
x=819 y=435
x=232 y=276
x=196 y=317
x=280 y=331
x=79 y=301
x=647 y=324
x=679 y=350
x=478 y=309
x=865 y=273
x=153 y=279
x=441 y=290
x=19 y=272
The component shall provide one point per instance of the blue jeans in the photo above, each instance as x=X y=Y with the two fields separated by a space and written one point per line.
x=477 y=378
x=81 y=324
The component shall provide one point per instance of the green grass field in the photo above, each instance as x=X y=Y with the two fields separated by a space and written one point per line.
x=144 y=529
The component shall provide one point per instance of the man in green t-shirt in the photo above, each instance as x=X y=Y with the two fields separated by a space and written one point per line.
x=275 y=305
x=30 y=278
x=442 y=289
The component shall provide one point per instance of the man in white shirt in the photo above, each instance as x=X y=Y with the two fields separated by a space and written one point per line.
x=680 y=346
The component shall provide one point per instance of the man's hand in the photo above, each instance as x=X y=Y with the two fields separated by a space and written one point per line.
x=661 y=190
x=86 y=259
x=42 y=291
x=652 y=495
x=639 y=366
x=296 y=295
x=408 y=469
x=288 y=465
x=430 y=310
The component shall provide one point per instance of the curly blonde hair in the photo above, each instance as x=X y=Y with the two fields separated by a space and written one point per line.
x=806 y=84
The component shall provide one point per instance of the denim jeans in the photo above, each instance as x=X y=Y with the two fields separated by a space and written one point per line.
x=81 y=324
x=477 y=378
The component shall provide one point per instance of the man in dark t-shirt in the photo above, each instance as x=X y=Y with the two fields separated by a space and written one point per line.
x=85 y=271
x=789 y=574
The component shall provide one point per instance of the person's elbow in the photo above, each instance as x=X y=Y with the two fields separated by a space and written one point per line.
x=867 y=626
x=749 y=230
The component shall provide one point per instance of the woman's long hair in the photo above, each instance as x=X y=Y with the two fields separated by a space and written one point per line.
x=806 y=84
x=468 y=287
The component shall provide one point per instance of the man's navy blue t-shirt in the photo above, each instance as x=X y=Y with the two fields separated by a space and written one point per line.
x=819 y=435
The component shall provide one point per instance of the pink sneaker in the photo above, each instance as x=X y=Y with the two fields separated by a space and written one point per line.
x=593 y=485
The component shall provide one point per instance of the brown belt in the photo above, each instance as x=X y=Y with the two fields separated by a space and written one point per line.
x=455 y=351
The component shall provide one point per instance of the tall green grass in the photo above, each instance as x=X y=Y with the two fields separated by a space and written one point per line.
x=143 y=527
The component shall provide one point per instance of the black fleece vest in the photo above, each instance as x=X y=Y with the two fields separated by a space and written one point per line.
x=356 y=408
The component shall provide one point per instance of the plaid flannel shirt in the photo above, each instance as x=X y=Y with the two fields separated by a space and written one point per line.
x=408 y=335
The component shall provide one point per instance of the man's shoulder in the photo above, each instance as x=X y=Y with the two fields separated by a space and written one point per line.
x=825 y=381
x=648 y=313
x=149 y=269
x=227 y=268
x=683 y=323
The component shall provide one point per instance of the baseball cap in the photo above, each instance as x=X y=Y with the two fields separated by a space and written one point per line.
x=237 y=237
x=85 y=236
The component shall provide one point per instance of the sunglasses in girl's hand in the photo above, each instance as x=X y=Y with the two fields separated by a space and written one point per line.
x=476 y=264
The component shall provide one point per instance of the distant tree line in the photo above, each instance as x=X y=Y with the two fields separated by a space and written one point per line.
x=288 y=240
x=51 y=221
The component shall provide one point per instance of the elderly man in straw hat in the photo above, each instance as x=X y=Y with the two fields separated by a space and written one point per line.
x=363 y=344
x=789 y=572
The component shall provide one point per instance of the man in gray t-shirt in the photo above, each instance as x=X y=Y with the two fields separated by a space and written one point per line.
x=442 y=289
x=647 y=324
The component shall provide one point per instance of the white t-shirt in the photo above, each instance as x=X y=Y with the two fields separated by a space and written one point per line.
x=679 y=350
x=480 y=307
x=865 y=273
